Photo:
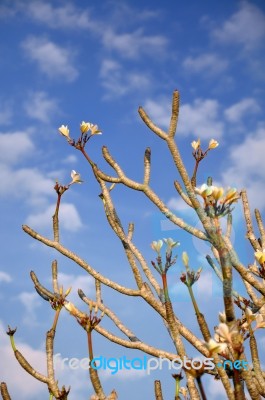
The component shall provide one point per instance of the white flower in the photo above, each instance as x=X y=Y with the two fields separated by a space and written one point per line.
x=260 y=321
x=222 y=317
x=64 y=131
x=215 y=347
x=260 y=256
x=85 y=126
x=76 y=177
x=212 y=144
x=195 y=144
x=204 y=190
x=170 y=243
x=225 y=332
x=94 y=130
x=156 y=246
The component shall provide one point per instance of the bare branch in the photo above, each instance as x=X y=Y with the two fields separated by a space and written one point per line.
x=148 y=122
x=250 y=233
x=261 y=227
x=69 y=254
x=182 y=193
x=158 y=390
x=174 y=115
x=4 y=391
x=147 y=166
x=127 y=332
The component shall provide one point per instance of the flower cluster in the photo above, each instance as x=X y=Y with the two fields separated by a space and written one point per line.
x=156 y=246
x=223 y=339
x=250 y=317
x=215 y=199
x=225 y=333
x=216 y=347
x=212 y=144
x=85 y=127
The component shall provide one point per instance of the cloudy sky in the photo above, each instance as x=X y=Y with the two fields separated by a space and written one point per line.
x=64 y=62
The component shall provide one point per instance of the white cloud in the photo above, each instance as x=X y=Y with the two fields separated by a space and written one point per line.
x=15 y=146
x=245 y=27
x=118 y=81
x=4 y=277
x=200 y=119
x=159 y=111
x=215 y=389
x=65 y=16
x=69 y=218
x=132 y=45
x=206 y=63
x=178 y=204
x=39 y=106
x=243 y=108
x=244 y=167
x=71 y=159
x=31 y=301
x=28 y=184
x=205 y=283
x=53 y=60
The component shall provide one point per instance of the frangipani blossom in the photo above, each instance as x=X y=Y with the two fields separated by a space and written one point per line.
x=250 y=317
x=231 y=196
x=170 y=243
x=85 y=126
x=205 y=190
x=260 y=256
x=76 y=177
x=260 y=321
x=64 y=131
x=213 y=144
x=222 y=317
x=156 y=246
x=94 y=130
x=215 y=347
x=217 y=193
x=225 y=332
x=195 y=144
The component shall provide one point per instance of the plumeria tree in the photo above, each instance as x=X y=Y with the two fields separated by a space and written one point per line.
x=230 y=344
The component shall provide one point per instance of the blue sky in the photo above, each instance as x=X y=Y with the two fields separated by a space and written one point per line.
x=64 y=62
